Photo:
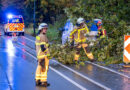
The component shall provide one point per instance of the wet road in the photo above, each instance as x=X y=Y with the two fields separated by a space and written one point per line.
x=18 y=64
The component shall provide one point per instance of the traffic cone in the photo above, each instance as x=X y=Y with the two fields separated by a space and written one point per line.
x=14 y=37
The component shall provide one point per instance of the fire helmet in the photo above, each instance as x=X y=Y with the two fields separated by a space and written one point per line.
x=42 y=25
x=80 y=20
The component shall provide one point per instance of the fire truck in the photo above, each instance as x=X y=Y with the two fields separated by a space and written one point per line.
x=15 y=24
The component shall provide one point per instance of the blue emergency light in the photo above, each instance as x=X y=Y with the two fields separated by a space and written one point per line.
x=10 y=16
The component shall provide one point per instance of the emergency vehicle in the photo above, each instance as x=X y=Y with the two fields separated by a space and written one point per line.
x=15 y=24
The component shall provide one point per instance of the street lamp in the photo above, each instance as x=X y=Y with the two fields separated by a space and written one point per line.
x=34 y=19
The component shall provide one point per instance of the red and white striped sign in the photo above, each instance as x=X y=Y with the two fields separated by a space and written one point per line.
x=126 y=55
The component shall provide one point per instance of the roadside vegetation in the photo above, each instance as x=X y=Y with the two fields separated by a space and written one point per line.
x=114 y=14
x=53 y=33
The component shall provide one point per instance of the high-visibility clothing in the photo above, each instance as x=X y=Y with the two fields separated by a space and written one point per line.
x=101 y=33
x=86 y=49
x=42 y=40
x=42 y=56
x=78 y=34
x=42 y=69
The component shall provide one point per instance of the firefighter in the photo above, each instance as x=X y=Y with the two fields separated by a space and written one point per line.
x=101 y=34
x=42 y=51
x=78 y=34
x=101 y=30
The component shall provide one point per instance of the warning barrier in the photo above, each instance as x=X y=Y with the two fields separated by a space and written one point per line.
x=126 y=56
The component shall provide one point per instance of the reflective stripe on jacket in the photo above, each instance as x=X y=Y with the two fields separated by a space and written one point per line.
x=41 y=40
x=78 y=33
x=102 y=33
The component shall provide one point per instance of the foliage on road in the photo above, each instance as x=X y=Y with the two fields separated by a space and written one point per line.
x=62 y=53
x=65 y=54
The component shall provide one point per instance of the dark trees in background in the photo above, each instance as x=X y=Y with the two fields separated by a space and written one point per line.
x=15 y=7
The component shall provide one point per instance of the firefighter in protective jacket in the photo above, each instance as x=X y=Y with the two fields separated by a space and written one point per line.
x=78 y=34
x=101 y=30
x=42 y=56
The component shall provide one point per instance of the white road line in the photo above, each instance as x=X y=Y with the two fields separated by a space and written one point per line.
x=100 y=66
x=28 y=39
x=109 y=69
x=83 y=76
x=26 y=46
x=65 y=77
x=62 y=75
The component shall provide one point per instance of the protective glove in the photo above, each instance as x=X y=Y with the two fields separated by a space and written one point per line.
x=48 y=56
x=43 y=48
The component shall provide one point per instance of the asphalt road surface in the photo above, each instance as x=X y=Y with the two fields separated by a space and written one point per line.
x=18 y=65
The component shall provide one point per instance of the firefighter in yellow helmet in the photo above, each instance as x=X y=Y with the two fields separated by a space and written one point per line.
x=42 y=56
x=78 y=35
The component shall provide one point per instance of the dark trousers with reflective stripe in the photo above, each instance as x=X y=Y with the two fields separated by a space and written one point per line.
x=42 y=69
x=86 y=49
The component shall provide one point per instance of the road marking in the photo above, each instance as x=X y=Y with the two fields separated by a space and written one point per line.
x=27 y=46
x=98 y=65
x=109 y=70
x=28 y=39
x=83 y=76
x=62 y=75
x=65 y=77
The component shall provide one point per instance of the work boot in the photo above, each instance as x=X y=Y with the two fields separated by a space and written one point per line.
x=38 y=82
x=45 y=84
